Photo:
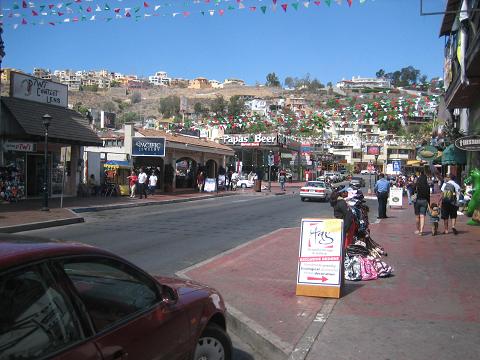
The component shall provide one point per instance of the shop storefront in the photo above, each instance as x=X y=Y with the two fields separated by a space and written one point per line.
x=252 y=151
x=22 y=140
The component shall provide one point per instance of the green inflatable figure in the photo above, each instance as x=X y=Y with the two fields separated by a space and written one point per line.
x=473 y=208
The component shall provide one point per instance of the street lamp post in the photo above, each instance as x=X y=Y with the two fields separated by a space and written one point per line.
x=376 y=168
x=46 y=123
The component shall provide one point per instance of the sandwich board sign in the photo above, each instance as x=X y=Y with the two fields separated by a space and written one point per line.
x=395 y=198
x=320 y=258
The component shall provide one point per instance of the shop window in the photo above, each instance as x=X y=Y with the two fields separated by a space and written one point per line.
x=12 y=177
x=36 y=317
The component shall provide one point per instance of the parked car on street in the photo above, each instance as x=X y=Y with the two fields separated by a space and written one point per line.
x=245 y=183
x=357 y=182
x=71 y=301
x=315 y=190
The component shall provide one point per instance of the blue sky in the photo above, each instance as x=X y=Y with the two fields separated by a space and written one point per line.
x=329 y=43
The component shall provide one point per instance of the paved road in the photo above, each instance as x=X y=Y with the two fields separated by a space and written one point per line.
x=167 y=238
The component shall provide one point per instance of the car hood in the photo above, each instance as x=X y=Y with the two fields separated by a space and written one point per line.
x=183 y=286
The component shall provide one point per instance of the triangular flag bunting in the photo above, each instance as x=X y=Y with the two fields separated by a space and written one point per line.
x=317 y=3
x=24 y=4
x=328 y=2
x=284 y=7
x=263 y=8
x=24 y=22
x=221 y=12
x=295 y=6
x=253 y=8
x=107 y=7
x=241 y=6
x=34 y=13
x=145 y=4
x=349 y=2
x=156 y=7
x=306 y=4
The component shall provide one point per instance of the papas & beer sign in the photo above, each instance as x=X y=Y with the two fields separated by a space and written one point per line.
x=28 y=87
x=258 y=139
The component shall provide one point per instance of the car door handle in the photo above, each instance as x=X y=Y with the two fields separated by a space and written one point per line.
x=120 y=355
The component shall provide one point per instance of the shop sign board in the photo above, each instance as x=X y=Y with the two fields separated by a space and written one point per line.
x=210 y=185
x=20 y=146
x=373 y=150
x=468 y=143
x=31 y=88
x=250 y=139
x=145 y=146
x=395 y=198
x=427 y=153
x=320 y=260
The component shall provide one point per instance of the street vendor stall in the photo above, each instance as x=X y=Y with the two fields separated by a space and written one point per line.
x=116 y=173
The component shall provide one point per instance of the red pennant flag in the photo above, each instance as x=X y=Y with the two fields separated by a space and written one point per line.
x=117 y=10
x=89 y=9
x=75 y=19
x=60 y=14
x=207 y=1
x=145 y=4
x=51 y=6
x=349 y=2
x=284 y=7
x=34 y=13
x=24 y=4
x=221 y=12
x=274 y=2
x=317 y=3
x=127 y=14
x=186 y=13
x=253 y=8
x=24 y=22
x=78 y=1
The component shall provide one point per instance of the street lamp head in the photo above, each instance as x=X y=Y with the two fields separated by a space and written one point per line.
x=46 y=119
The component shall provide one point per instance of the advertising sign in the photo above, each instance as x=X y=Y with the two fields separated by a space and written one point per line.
x=427 y=153
x=373 y=150
x=143 y=146
x=210 y=185
x=468 y=143
x=27 y=87
x=395 y=198
x=20 y=146
x=320 y=259
x=396 y=165
x=250 y=139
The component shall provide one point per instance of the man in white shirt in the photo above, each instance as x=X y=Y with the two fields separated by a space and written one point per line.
x=142 y=182
x=152 y=183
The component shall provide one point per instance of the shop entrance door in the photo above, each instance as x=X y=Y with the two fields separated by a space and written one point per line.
x=35 y=174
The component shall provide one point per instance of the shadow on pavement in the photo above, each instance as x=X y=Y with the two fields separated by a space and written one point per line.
x=241 y=355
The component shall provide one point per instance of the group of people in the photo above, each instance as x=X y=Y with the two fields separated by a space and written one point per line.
x=418 y=190
x=142 y=183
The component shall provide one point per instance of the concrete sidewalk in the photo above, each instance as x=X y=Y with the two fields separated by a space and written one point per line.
x=429 y=308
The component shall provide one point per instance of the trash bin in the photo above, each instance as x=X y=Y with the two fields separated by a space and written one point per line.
x=257 y=185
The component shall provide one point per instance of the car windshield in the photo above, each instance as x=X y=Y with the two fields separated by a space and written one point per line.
x=315 y=184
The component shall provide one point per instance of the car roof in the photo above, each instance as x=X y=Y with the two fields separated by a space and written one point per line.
x=16 y=250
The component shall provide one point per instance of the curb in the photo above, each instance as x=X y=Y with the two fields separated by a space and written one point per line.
x=148 y=203
x=40 y=225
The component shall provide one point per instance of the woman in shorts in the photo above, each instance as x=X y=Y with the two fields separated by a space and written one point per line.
x=422 y=191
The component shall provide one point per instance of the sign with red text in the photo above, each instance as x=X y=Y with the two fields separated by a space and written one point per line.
x=320 y=259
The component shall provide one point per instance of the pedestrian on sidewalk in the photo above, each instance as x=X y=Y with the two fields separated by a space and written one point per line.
x=152 y=183
x=410 y=187
x=282 y=178
x=434 y=213
x=422 y=194
x=142 y=183
x=341 y=210
x=382 y=189
x=132 y=182
x=200 y=181
x=450 y=196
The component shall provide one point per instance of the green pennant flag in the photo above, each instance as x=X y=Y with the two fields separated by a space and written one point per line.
x=295 y=6
x=68 y=4
x=263 y=8
x=203 y=13
x=109 y=19
x=42 y=7
x=15 y=7
x=328 y=2
x=137 y=17
x=84 y=18
x=137 y=9
x=80 y=8
x=230 y=7
x=107 y=7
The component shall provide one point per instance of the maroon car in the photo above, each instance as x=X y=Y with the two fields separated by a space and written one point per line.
x=73 y=301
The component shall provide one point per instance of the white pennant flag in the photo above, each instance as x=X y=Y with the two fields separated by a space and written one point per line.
x=66 y=20
x=15 y=26
x=92 y=18
x=241 y=6
x=306 y=4
x=98 y=8
x=156 y=7
x=211 y=12
x=147 y=15
x=59 y=5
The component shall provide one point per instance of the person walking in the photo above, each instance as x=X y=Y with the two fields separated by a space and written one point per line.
x=132 y=182
x=382 y=189
x=422 y=193
x=282 y=178
x=450 y=196
x=152 y=183
x=142 y=182
x=410 y=188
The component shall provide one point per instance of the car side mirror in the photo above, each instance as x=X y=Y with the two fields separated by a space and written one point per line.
x=168 y=295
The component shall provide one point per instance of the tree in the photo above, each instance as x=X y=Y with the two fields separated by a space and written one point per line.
x=218 y=105
x=169 y=106
x=79 y=107
x=289 y=82
x=136 y=97
x=236 y=105
x=272 y=80
x=380 y=73
x=315 y=85
x=128 y=117
x=198 y=108
x=109 y=106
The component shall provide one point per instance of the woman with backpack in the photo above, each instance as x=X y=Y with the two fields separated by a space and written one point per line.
x=450 y=195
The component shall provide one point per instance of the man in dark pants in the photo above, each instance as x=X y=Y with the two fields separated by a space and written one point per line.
x=382 y=188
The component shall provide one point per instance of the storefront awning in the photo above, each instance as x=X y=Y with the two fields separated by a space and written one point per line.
x=413 y=163
x=24 y=120
x=454 y=156
x=116 y=164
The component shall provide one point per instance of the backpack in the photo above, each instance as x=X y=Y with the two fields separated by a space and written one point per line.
x=449 y=194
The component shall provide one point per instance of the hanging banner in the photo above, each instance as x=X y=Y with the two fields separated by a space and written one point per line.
x=320 y=259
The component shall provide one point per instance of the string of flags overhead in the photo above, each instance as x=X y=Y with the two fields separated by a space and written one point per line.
x=44 y=12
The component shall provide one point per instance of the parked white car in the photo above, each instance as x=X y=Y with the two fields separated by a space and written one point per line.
x=244 y=183
x=315 y=190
